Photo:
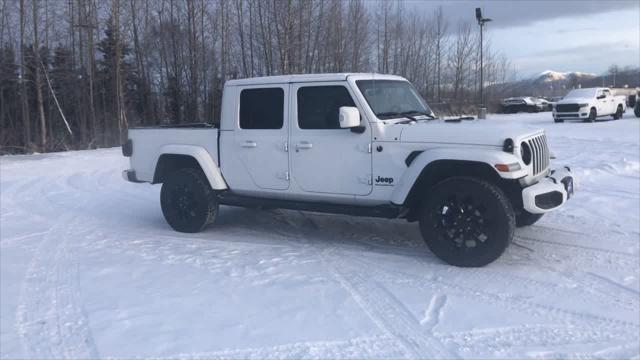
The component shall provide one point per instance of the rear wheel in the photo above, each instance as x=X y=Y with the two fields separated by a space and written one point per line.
x=526 y=218
x=188 y=202
x=618 y=114
x=592 y=116
x=467 y=221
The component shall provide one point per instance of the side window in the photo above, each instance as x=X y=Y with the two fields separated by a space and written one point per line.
x=262 y=108
x=318 y=106
x=606 y=93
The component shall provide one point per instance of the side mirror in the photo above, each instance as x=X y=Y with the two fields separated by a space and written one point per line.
x=349 y=117
x=601 y=97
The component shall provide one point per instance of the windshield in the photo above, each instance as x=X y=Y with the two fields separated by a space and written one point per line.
x=581 y=93
x=392 y=98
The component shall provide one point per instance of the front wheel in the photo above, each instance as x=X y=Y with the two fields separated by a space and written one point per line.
x=188 y=202
x=467 y=221
x=592 y=116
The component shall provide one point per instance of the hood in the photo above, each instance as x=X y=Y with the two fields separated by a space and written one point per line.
x=575 y=101
x=466 y=132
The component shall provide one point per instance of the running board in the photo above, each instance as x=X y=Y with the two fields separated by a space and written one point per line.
x=380 y=211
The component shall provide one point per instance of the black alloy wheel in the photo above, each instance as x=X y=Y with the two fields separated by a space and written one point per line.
x=188 y=202
x=467 y=222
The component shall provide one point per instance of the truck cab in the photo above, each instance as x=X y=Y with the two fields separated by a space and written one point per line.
x=356 y=144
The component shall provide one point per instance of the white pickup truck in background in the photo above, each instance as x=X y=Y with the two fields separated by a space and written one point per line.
x=589 y=104
x=356 y=144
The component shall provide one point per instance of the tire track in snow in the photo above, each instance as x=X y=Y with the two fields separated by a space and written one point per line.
x=568 y=252
x=505 y=340
x=514 y=302
x=588 y=281
x=358 y=348
x=507 y=301
x=596 y=289
x=50 y=318
x=382 y=307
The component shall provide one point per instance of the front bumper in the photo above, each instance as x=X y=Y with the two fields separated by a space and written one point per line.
x=549 y=193
x=571 y=116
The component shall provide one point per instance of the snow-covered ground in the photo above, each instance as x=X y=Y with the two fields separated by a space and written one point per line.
x=89 y=268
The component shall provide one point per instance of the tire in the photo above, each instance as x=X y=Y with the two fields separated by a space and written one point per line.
x=526 y=218
x=618 y=114
x=636 y=109
x=188 y=202
x=592 y=116
x=471 y=239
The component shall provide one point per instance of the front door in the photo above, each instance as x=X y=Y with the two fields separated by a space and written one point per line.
x=610 y=106
x=602 y=103
x=324 y=157
x=260 y=139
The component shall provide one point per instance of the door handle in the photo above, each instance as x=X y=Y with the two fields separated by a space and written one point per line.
x=304 y=145
x=249 y=144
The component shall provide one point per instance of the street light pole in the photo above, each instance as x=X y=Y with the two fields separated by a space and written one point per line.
x=481 y=67
x=481 y=22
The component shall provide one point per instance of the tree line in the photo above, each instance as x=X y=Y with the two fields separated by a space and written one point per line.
x=75 y=74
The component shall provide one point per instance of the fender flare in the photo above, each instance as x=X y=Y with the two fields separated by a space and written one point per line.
x=201 y=155
x=490 y=157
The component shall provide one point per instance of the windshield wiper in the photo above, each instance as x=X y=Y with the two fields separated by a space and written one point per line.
x=390 y=114
x=406 y=114
x=418 y=112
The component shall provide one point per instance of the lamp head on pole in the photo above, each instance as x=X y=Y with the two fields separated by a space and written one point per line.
x=479 y=17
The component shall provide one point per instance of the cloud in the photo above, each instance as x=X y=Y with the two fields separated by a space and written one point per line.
x=585 y=49
x=525 y=12
x=588 y=58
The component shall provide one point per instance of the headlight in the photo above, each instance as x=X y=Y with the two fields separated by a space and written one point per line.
x=525 y=150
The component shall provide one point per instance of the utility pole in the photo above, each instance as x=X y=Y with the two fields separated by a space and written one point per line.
x=481 y=22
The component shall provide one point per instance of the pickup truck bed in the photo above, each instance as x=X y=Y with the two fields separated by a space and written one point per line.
x=147 y=145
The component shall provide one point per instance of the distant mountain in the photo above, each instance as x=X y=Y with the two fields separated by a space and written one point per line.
x=554 y=83
x=553 y=76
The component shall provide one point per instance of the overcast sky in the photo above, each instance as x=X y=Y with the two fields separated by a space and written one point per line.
x=560 y=35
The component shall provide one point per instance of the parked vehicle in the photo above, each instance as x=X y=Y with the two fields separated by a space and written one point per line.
x=524 y=104
x=589 y=104
x=356 y=144
x=636 y=107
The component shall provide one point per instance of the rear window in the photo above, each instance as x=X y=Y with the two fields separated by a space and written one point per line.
x=262 y=108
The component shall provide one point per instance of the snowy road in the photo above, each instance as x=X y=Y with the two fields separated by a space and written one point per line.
x=89 y=268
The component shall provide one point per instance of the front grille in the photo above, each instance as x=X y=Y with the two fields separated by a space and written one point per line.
x=539 y=153
x=567 y=107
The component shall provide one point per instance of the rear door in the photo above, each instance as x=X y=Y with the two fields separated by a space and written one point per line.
x=260 y=139
x=325 y=158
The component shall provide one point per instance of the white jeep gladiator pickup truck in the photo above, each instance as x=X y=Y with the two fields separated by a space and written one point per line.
x=589 y=104
x=356 y=144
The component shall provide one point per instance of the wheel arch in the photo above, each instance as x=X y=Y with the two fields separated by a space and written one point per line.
x=441 y=169
x=174 y=157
